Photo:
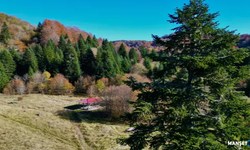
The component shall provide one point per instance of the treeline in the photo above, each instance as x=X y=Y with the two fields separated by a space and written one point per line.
x=73 y=60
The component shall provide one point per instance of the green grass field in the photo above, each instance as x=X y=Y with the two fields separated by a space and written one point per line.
x=55 y=129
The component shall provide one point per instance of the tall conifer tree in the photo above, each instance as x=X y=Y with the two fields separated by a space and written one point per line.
x=29 y=62
x=8 y=63
x=3 y=77
x=122 y=51
x=5 y=34
x=201 y=110
x=40 y=57
x=133 y=56
x=71 y=65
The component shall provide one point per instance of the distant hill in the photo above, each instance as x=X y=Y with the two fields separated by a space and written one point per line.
x=53 y=29
x=244 y=41
x=137 y=44
x=21 y=31
x=24 y=34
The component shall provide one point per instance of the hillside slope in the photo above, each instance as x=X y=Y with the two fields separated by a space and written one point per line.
x=21 y=31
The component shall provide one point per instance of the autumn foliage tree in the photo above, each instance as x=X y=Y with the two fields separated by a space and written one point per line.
x=15 y=86
x=115 y=100
x=60 y=85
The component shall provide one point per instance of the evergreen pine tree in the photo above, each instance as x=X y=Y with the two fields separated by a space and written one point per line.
x=69 y=42
x=3 y=77
x=17 y=59
x=90 y=63
x=108 y=66
x=58 y=61
x=144 y=51
x=95 y=42
x=122 y=51
x=62 y=43
x=80 y=38
x=71 y=65
x=49 y=53
x=105 y=45
x=126 y=65
x=147 y=64
x=38 y=50
x=8 y=63
x=38 y=32
x=99 y=65
x=29 y=62
x=77 y=49
x=201 y=111
x=89 y=42
x=39 y=25
x=133 y=56
x=30 y=72
x=5 y=34
x=66 y=36
x=83 y=51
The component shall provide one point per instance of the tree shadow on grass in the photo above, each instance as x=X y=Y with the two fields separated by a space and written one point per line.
x=74 y=114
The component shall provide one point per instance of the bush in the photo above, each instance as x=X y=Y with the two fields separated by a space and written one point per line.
x=79 y=85
x=47 y=75
x=15 y=86
x=100 y=86
x=138 y=78
x=83 y=83
x=36 y=81
x=105 y=81
x=60 y=85
x=115 y=100
x=92 y=90
x=138 y=69
x=117 y=80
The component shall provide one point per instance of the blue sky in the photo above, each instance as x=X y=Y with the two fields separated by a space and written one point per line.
x=123 y=19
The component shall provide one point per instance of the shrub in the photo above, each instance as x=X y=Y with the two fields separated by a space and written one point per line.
x=83 y=83
x=92 y=90
x=30 y=87
x=47 y=75
x=138 y=69
x=115 y=100
x=60 y=85
x=105 y=81
x=100 y=86
x=117 y=80
x=42 y=88
x=138 y=78
x=35 y=81
x=79 y=85
x=15 y=86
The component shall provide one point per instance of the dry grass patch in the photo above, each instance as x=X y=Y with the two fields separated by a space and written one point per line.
x=23 y=129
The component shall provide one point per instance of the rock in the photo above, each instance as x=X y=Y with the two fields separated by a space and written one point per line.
x=39 y=114
x=130 y=129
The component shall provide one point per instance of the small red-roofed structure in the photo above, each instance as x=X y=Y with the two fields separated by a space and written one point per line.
x=89 y=100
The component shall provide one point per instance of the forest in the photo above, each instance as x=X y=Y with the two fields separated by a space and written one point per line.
x=186 y=90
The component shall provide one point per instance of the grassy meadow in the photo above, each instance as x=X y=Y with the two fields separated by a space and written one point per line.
x=22 y=128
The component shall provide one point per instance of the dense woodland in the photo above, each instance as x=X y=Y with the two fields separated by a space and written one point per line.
x=84 y=65
x=188 y=89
